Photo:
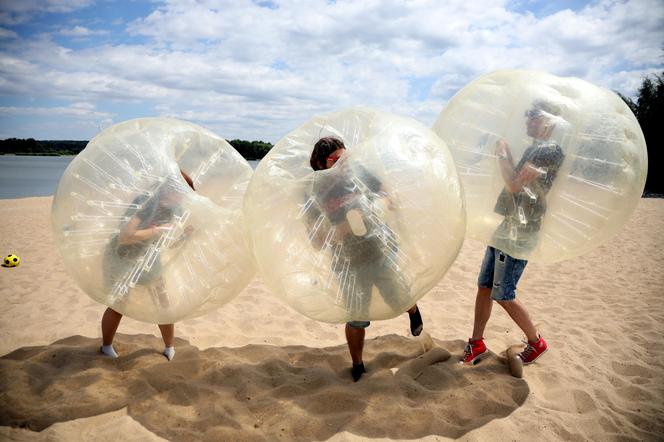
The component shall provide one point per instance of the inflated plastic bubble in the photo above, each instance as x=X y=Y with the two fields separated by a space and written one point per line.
x=370 y=235
x=137 y=238
x=551 y=167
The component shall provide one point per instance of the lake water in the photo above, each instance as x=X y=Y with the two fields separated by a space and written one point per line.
x=26 y=176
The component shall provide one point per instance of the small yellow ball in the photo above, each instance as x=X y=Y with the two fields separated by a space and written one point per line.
x=11 y=260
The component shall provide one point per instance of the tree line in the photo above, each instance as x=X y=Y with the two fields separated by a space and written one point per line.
x=649 y=111
x=250 y=150
x=30 y=146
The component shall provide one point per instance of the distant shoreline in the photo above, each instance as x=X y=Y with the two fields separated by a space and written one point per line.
x=249 y=150
x=48 y=154
x=44 y=154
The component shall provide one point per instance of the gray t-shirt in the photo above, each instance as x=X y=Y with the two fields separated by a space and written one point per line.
x=530 y=202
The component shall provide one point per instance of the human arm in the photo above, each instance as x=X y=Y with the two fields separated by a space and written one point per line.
x=380 y=195
x=131 y=234
x=186 y=234
x=515 y=180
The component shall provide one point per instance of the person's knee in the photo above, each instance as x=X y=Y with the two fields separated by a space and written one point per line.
x=507 y=304
x=484 y=291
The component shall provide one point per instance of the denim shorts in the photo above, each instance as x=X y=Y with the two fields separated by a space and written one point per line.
x=500 y=272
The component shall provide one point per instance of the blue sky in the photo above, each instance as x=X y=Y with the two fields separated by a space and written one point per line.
x=258 y=69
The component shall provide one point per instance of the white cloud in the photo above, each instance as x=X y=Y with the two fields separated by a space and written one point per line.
x=79 y=110
x=14 y=12
x=80 y=31
x=257 y=72
x=7 y=34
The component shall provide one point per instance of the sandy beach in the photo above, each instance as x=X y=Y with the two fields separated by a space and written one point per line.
x=257 y=370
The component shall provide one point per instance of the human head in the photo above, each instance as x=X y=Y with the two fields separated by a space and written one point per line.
x=322 y=150
x=540 y=119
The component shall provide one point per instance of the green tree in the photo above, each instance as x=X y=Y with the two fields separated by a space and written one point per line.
x=649 y=110
x=17 y=145
x=251 y=150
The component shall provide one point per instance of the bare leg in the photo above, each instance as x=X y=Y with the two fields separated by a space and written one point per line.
x=355 y=339
x=167 y=333
x=518 y=313
x=416 y=324
x=483 y=305
x=109 y=325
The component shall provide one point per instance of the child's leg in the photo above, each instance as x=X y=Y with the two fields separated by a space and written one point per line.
x=520 y=316
x=109 y=325
x=483 y=307
x=168 y=334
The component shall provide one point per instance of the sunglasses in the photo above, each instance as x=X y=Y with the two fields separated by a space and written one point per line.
x=533 y=113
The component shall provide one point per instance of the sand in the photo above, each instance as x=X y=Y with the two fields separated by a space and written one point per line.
x=257 y=370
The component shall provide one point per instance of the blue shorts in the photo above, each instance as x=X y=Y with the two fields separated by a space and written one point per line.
x=500 y=272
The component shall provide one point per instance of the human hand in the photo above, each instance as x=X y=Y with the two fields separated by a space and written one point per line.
x=502 y=149
x=530 y=172
x=382 y=205
x=356 y=223
x=186 y=233
x=164 y=227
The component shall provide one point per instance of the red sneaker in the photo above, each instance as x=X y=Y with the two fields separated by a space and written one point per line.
x=533 y=351
x=475 y=348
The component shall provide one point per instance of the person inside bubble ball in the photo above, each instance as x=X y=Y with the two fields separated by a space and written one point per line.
x=368 y=249
x=144 y=228
x=522 y=202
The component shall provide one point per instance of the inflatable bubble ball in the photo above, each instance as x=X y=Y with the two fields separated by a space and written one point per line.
x=134 y=233
x=355 y=215
x=551 y=167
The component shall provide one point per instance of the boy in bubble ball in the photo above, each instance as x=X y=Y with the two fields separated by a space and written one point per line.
x=367 y=255
x=522 y=202
x=142 y=229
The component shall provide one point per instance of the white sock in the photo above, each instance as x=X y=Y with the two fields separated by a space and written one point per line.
x=109 y=351
x=169 y=352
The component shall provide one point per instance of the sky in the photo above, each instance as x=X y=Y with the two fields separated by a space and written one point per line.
x=258 y=69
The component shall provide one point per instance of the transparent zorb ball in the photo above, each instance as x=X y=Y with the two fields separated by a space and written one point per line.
x=133 y=233
x=551 y=167
x=367 y=237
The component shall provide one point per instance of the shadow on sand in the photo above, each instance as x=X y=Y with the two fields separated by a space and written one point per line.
x=257 y=392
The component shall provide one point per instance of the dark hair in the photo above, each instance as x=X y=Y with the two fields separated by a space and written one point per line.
x=188 y=179
x=322 y=149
